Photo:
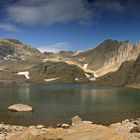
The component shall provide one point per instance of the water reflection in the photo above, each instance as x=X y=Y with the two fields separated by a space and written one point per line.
x=24 y=93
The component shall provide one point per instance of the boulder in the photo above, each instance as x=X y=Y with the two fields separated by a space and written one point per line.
x=135 y=129
x=28 y=134
x=76 y=120
x=40 y=126
x=20 y=108
x=65 y=126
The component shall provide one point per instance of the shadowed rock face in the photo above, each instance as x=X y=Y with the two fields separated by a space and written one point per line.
x=118 y=78
x=134 y=80
x=60 y=71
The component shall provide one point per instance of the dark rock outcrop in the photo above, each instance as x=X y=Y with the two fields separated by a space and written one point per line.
x=57 y=72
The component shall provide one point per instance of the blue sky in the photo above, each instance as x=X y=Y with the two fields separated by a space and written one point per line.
x=54 y=25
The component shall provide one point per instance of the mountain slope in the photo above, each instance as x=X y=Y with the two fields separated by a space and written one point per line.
x=14 y=49
x=127 y=75
x=118 y=78
x=57 y=72
x=108 y=56
x=135 y=74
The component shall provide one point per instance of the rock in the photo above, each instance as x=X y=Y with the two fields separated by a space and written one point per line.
x=1 y=127
x=50 y=127
x=85 y=132
x=2 y=136
x=136 y=121
x=76 y=120
x=87 y=122
x=59 y=125
x=125 y=121
x=27 y=134
x=135 y=129
x=65 y=126
x=40 y=126
x=20 y=108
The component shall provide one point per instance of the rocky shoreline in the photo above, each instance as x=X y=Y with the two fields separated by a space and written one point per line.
x=81 y=130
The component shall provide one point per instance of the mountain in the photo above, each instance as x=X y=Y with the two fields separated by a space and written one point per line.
x=110 y=63
x=66 y=53
x=20 y=63
x=15 y=50
x=108 y=56
x=127 y=75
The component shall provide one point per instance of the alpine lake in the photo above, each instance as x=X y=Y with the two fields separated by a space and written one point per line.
x=58 y=103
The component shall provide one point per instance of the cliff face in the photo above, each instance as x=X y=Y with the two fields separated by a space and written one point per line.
x=118 y=78
x=127 y=75
x=108 y=56
x=134 y=80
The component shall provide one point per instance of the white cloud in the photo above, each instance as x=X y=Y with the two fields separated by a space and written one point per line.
x=61 y=11
x=9 y=27
x=57 y=47
x=48 y=12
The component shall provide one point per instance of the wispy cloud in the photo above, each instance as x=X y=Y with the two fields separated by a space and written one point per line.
x=9 y=27
x=57 y=47
x=61 y=11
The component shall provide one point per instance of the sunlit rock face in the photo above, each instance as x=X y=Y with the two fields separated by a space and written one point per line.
x=127 y=75
x=109 y=55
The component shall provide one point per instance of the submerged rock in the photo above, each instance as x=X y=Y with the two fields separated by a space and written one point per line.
x=20 y=108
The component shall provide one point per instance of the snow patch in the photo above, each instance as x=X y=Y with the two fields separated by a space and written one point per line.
x=25 y=73
x=95 y=75
x=51 y=79
x=85 y=66
x=76 y=79
x=89 y=77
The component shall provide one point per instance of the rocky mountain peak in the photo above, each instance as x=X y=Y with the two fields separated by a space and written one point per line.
x=14 y=49
x=15 y=41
